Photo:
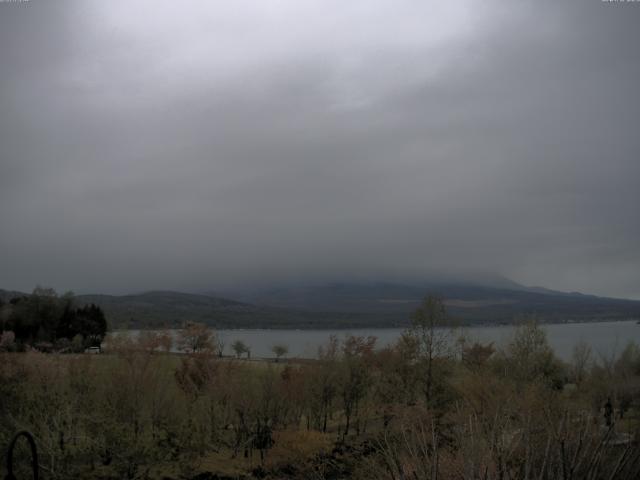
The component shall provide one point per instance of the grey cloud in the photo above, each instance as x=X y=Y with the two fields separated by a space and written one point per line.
x=303 y=142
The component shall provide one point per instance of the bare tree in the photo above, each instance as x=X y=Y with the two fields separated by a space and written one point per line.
x=529 y=355
x=432 y=333
x=580 y=361
x=196 y=337
x=220 y=343
x=239 y=347
x=280 y=351
x=356 y=374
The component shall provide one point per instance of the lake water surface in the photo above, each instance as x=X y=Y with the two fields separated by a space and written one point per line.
x=605 y=338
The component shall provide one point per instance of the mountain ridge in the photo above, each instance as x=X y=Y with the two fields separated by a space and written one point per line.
x=351 y=305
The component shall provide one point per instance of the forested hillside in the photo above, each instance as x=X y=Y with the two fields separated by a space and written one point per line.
x=351 y=306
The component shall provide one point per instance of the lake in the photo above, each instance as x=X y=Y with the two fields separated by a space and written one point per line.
x=605 y=338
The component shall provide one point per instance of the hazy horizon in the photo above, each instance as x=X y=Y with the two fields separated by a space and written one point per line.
x=202 y=146
x=245 y=291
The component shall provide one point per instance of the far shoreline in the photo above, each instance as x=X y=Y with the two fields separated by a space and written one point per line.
x=374 y=327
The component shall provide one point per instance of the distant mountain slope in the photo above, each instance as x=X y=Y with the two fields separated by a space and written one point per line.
x=169 y=309
x=6 y=295
x=172 y=309
x=351 y=305
x=468 y=302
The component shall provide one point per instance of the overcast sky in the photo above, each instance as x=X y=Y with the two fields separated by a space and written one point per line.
x=196 y=145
